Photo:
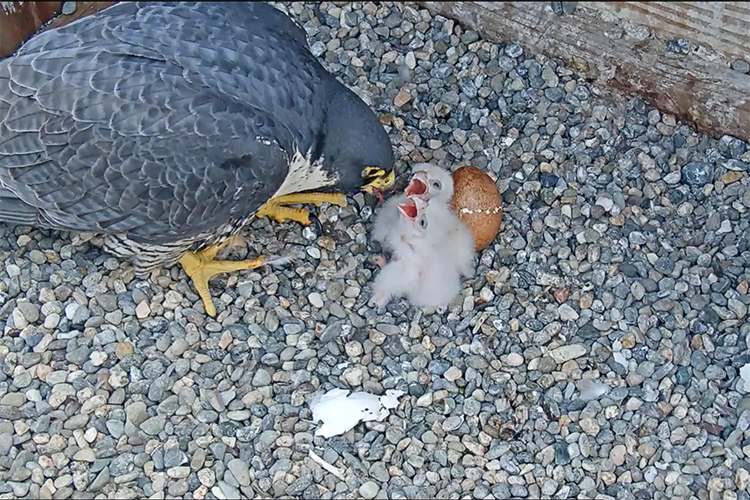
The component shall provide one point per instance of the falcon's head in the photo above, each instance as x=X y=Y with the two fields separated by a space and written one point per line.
x=356 y=148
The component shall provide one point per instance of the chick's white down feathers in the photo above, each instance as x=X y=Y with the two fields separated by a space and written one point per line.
x=431 y=248
x=430 y=182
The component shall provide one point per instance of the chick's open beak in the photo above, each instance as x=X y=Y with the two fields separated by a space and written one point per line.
x=419 y=206
x=417 y=186
x=408 y=209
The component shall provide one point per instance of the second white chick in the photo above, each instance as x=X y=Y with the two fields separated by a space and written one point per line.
x=434 y=185
x=387 y=219
x=430 y=182
x=434 y=249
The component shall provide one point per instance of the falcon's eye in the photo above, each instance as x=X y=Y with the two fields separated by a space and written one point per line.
x=436 y=184
x=423 y=222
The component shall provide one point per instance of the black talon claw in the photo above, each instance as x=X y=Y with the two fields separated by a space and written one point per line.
x=314 y=220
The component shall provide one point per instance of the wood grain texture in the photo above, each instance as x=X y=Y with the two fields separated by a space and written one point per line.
x=709 y=94
x=83 y=9
x=21 y=20
x=722 y=26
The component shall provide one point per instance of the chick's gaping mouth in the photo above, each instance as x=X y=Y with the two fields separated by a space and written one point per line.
x=416 y=188
x=409 y=210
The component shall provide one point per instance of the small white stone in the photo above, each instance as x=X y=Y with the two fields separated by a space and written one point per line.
x=178 y=472
x=617 y=454
x=90 y=435
x=354 y=348
x=425 y=400
x=567 y=352
x=313 y=252
x=468 y=304
x=19 y=320
x=118 y=379
x=207 y=477
x=410 y=60
x=98 y=358
x=142 y=310
x=452 y=374
x=606 y=203
x=369 y=490
x=13 y=270
x=567 y=313
x=51 y=321
x=353 y=376
x=673 y=177
x=85 y=455
x=486 y=295
x=742 y=478
x=225 y=340
x=172 y=299
x=514 y=359
x=315 y=300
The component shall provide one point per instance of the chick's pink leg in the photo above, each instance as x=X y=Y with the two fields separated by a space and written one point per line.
x=379 y=261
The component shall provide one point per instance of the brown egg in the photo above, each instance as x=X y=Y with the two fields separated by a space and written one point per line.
x=477 y=202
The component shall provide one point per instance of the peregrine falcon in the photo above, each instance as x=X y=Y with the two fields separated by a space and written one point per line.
x=167 y=127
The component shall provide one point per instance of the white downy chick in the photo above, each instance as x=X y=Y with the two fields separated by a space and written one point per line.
x=430 y=182
x=430 y=255
x=386 y=220
x=452 y=236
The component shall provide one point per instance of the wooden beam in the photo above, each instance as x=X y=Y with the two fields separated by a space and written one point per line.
x=83 y=9
x=721 y=26
x=707 y=93
x=21 y=20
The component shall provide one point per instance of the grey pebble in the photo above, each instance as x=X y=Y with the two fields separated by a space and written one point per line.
x=621 y=250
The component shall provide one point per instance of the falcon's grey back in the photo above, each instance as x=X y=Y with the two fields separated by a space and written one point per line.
x=144 y=118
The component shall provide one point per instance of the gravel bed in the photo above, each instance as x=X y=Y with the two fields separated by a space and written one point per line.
x=596 y=353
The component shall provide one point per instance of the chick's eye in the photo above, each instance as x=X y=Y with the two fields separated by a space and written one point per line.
x=423 y=222
x=436 y=184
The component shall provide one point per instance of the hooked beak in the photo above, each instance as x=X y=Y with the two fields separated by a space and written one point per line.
x=378 y=180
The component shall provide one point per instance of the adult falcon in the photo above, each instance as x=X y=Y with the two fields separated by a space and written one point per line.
x=166 y=127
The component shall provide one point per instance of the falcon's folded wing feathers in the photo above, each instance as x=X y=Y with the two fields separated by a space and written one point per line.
x=150 y=131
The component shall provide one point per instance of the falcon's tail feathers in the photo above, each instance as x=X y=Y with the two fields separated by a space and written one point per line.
x=15 y=211
x=276 y=261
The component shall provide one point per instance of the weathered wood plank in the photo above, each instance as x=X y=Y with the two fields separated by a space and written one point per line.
x=83 y=9
x=722 y=26
x=20 y=20
x=709 y=94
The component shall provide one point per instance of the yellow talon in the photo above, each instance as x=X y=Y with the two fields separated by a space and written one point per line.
x=201 y=267
x=277 y=210
x=283 y=214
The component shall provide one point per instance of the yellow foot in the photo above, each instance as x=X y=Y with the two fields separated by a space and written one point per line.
x=201 y=267
x=277 y=210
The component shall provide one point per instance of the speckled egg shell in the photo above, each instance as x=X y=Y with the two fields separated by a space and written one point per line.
x=477 y=202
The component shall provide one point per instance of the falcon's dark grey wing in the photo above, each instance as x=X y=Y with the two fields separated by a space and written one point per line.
x=162 y=121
